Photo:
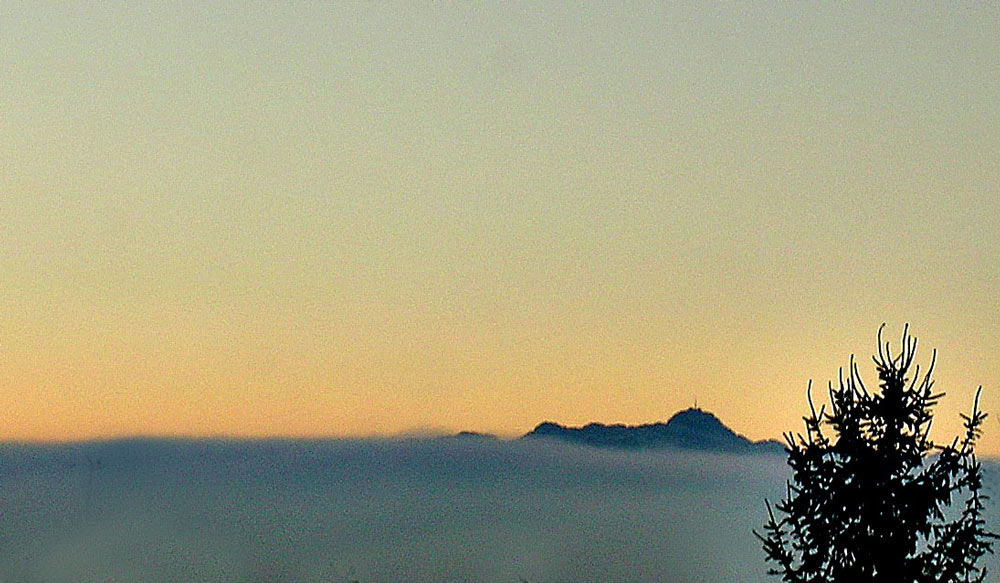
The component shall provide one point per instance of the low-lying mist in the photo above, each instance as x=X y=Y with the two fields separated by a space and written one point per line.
x=418 y=510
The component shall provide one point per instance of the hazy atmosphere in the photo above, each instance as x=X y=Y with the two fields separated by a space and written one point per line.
x=263 y=261
x=460 y=510
x=446 y=510
x=222 y=219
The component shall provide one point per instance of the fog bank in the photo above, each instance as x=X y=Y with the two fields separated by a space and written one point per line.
x=418 y=510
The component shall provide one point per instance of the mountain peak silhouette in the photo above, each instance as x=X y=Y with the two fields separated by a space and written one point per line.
x=692 y=428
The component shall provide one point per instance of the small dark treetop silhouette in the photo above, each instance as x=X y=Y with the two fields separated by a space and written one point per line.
x=870 y=504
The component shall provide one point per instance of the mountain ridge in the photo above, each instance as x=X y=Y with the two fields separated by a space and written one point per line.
x=691 y=429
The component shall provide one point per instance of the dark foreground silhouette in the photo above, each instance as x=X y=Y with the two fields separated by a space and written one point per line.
x=872 y=497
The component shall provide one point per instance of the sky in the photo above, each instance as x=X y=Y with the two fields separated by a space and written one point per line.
x=219 y=219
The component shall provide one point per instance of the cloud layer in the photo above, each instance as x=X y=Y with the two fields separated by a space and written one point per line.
x=417 y=510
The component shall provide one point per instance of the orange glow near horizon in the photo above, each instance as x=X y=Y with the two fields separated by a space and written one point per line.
x=357 y=221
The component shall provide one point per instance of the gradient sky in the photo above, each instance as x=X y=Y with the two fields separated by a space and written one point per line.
x=221 y=219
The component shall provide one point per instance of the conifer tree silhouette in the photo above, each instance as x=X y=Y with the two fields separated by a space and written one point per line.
x=871 y=502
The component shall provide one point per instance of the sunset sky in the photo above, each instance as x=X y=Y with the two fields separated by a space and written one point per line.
x=373 y=219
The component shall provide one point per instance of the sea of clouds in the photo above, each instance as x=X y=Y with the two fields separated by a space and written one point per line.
x=380 y=511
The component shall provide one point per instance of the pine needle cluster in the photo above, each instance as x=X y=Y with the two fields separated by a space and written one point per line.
x=874 y=499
